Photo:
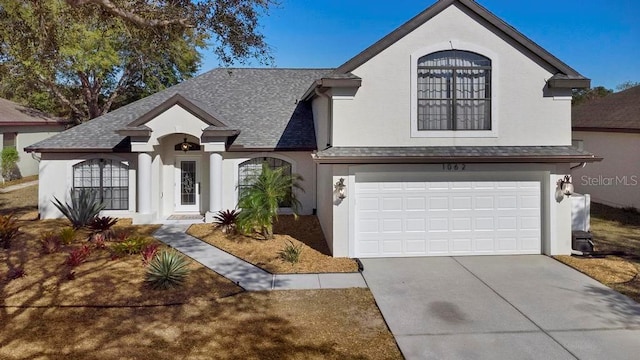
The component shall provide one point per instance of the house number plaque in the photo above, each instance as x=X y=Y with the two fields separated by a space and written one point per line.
x=454 y=167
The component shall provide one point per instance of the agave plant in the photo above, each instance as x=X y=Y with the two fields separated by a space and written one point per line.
x=167 y=269
x=226 y=219
x=83 y=208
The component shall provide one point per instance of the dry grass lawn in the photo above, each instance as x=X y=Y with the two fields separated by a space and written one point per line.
x=107 y=311
x=613 y=230
x=304 y=232
x=19 y=181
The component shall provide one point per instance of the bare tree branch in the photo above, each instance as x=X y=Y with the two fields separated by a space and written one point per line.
x=113 y=9
x=51 y=86
x=125 y=77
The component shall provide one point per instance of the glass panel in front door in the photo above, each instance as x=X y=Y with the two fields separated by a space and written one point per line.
x=188 y=183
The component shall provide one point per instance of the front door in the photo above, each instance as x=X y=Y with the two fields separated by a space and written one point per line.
x=187 y=185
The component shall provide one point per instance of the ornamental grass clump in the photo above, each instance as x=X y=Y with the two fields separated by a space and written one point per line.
x=167 y=269
x=291 y=253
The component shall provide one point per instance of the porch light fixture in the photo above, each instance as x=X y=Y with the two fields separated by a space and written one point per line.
x=340 y=189
x=185 y=146
x=565 y=185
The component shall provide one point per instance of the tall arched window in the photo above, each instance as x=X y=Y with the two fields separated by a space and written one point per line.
x=249 y=171
x=109 y=179
x=454 y=91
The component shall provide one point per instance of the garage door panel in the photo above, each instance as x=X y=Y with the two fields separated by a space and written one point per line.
x=447 y=218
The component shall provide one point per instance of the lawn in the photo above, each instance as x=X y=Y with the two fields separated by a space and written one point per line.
x=106 y=311
x=614 y=230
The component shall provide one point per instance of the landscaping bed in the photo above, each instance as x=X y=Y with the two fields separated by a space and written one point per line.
x=614 y=231
x=305 y=233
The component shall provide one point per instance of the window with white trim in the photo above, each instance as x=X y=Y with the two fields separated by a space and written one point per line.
x=251 y=169
x=108 y=179
x=454 y=91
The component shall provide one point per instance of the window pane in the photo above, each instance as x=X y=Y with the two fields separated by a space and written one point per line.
x=101 y=176
x=188 y=182
x=473 y=115
x=434 y=115
x=250 y=170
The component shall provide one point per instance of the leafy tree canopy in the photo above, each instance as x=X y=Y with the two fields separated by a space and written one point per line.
x=82 y=58
x=585 y=95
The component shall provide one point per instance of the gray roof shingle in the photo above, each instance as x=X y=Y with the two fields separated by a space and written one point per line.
x=615 y=112
x=264 y=104
x=438 y=154
x=14 y=114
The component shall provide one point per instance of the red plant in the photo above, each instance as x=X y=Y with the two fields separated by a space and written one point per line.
x=50 y=243
x=148 y=253
x=102 y=224
x=99 y=241
x=78 y=256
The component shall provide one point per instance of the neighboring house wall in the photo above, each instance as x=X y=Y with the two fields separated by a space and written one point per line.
x=25 y=136
x=614 y=181
x=382 y=111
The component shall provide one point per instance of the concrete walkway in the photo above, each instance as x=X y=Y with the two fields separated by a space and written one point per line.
x=244 y=274
x=18 y=186
x=501 y=307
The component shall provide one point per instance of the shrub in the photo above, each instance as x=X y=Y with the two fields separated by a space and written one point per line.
x=102 y=224
x=83 y=208
x=148 y=253
x=226 y=219
x=290 y=253
x=10 y=159
x=167 y=269
x=99 y=241
x=78 y=256
x=131 y=246
x=260 y=202
x=50 y=243
x=67 y=235
x=9 y=229
x=120 y=235
x=15 y=273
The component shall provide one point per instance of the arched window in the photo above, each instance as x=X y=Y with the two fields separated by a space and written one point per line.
x=249 y=171
x=109 y=179
x=454 y=91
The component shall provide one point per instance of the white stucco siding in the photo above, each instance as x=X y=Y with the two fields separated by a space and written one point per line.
x=326 y=202
x=25 y=136
x=320 y=106
x=555 y=211
x=614 y=181
x=56 y=180
x=175 y=120
x=301 y=162
x=380 y=114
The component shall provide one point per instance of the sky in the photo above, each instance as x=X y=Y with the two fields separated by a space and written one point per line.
x=598 y=38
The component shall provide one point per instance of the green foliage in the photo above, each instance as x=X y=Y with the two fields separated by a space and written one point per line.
x=83 y=208
x=131 y=246
x=290 y=253
x=627 y=85
x=10 y=158
x=50 y=242
x=67 y=235
x=9 y=230
x=226 y=219
x=581 y=96
x=260 y=202
x=167 y=269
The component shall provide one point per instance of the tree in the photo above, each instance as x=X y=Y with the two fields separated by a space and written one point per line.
x=83 y=58
x=627 y=85
x=585 y=95
x=260 y=202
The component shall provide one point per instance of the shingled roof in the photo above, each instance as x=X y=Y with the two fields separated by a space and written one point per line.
x=264 y=104
x=618 y=112
x=14 y=114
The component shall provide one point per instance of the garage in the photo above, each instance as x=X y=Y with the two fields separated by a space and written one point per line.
x=442 y=218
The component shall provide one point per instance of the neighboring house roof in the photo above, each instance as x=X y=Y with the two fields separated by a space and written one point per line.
x=14 y=114
x=618 y=112
x=566 y=76
x=454 y=154
x=263 y=104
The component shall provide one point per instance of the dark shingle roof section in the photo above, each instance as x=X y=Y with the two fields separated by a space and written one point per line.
x=264 y=104
x=443 y=154
x=14 y=114
x=616 y=112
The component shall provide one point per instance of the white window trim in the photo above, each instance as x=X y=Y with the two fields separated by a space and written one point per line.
x=495 y=96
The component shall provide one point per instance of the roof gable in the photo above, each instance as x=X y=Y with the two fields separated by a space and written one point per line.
x=194 y=107
x=564 y=70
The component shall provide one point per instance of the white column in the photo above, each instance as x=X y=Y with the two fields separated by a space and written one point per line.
x=144 y=183
x=215 y=182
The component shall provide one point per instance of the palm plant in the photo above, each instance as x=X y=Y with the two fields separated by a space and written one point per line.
x=83 y=208
x=260 y=202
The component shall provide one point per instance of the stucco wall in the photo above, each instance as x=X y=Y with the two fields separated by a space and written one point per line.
x=26 y=136
x=614 y=181
x=380 y=113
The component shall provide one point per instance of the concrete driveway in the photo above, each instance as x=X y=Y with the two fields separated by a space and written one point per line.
x=501 y=307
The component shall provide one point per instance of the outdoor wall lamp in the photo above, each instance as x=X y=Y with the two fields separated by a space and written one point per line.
x=185 y=146
x=341 y=189
x=565 y=185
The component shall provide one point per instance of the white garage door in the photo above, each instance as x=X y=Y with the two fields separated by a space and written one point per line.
x=396 y=219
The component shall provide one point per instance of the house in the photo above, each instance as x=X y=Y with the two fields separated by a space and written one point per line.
x=21 y=126
x=447 y=137
x=610 y=127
